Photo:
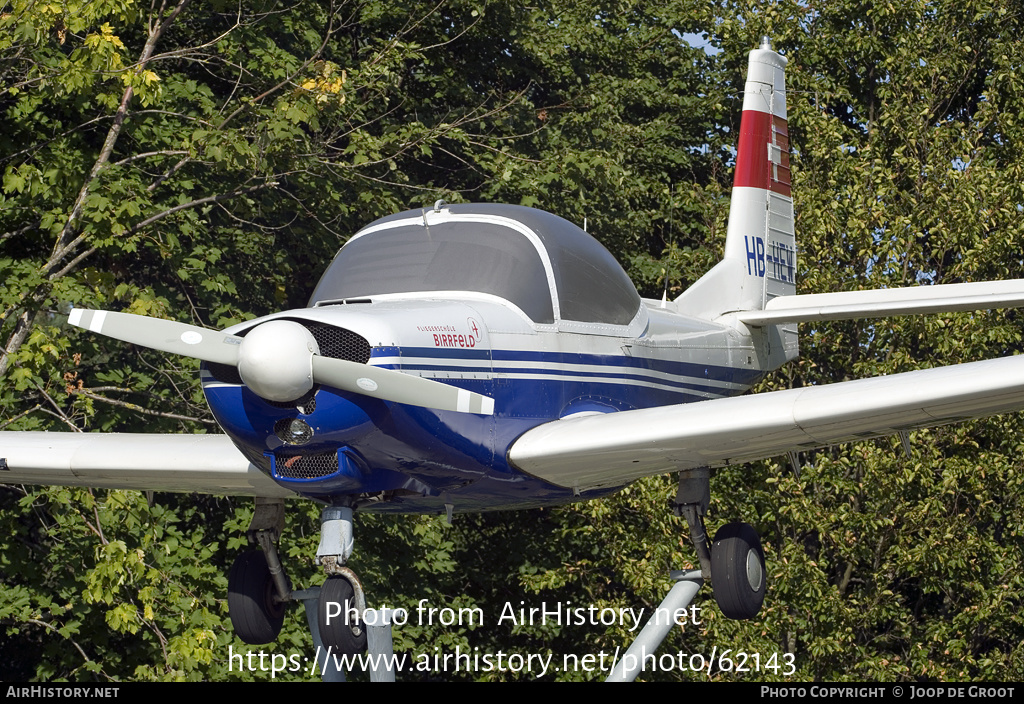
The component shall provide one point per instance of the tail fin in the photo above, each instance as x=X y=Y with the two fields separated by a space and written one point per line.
x=760 y=245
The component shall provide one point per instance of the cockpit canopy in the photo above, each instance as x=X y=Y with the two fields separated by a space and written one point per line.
x=546 y=266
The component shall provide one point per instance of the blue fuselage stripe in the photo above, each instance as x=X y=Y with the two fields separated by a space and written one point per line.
x=450 y=358
x=611 y=376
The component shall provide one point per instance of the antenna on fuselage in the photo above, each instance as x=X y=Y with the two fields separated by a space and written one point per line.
x=671 y=224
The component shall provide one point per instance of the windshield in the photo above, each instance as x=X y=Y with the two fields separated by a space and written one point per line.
x=451 y=256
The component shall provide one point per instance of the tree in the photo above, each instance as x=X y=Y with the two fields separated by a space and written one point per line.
x=227 y=151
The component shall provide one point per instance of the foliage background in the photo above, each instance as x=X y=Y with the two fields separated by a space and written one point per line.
x=202 y=161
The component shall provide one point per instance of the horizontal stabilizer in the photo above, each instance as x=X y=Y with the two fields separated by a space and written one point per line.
x=887 y=302
x=205 y=464
x=616 y=448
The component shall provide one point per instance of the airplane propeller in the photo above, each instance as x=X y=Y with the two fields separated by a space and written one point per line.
x=279 y=360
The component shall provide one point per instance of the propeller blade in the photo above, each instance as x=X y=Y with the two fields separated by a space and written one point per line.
x=222 y=348
x=164 y=335
x=389 y=385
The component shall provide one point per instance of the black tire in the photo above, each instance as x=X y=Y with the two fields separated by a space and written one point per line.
x=738 y=577
x=338 y=634
x=255 y=615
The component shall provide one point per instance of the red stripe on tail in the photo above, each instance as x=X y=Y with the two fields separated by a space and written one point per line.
x=754 y=169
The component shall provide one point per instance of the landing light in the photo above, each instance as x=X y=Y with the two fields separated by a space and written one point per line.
x=293 y=431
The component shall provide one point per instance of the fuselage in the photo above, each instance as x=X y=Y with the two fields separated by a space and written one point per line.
x=334 y=445
x=394 y=457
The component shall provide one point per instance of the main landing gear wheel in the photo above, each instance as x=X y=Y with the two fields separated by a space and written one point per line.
x=256 y=614
x=336 y=631
x=737 y=571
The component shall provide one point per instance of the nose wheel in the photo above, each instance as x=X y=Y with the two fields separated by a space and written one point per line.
x=340 y=626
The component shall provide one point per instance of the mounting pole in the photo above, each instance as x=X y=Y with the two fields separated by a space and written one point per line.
x=646 y=643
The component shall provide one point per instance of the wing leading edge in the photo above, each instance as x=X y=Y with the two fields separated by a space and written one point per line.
x=616 y=448
x=206 y=464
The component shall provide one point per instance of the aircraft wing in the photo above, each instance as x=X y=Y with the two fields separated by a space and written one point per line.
x=613 y=449
x=207 y=464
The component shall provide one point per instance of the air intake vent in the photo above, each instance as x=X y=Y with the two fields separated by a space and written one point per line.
x=306 y=466
x=304 y=405
x=339 y=342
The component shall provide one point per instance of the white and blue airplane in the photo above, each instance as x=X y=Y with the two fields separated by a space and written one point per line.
x=474 y=357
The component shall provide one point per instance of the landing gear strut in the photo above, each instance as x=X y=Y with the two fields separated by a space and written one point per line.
x=734 y=561
x=341 y=600
x=258 y=589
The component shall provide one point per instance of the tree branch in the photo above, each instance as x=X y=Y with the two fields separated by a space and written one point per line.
x=56 y=630
x=195 y=203
x=60 y=412
x=139 y=409
x=146 y=155
x=20 y=416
